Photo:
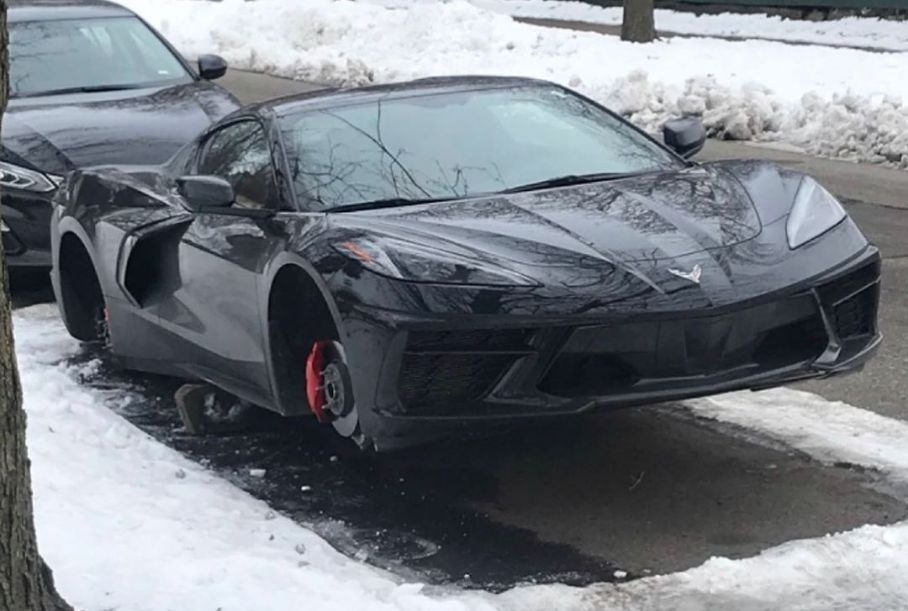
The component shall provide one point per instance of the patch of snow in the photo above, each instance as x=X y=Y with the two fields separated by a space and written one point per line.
x=865 y=32
x=829 y=431
x=861 y=569
x=128 y=523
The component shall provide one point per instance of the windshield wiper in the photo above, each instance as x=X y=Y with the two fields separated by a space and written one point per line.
x=81 y=89
x=391 y=202
x=568 y=180
x=560 y=181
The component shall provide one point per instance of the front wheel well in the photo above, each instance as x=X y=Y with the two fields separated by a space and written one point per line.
x=298 y=316
x=82 y=300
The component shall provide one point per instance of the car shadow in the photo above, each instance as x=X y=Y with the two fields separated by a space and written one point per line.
x=29 y=287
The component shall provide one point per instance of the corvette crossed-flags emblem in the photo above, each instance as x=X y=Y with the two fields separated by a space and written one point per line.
x=693 y=275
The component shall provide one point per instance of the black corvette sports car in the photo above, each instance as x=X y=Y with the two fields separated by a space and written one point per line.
x=404 y=260
x=90 y=83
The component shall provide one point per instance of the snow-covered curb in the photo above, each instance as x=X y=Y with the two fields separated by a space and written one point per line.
x=129 y=524
x=834 y=102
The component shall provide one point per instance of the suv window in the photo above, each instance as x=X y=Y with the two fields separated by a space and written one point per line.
x=240 y=154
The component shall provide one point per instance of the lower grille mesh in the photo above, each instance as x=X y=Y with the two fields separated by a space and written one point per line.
x=601 y=360
x=854 y=317
x=431 y=381
x=471 y=340
x=851 y=301
x=840 y=288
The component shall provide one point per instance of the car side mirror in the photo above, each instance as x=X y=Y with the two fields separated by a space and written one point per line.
x=212 y=67
x=206 y=192
x=685 y=136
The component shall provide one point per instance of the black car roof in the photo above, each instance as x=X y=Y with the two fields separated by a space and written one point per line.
x=52 y=10
x=321 y=98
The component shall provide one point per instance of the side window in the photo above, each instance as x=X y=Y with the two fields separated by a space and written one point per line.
x=240 y=154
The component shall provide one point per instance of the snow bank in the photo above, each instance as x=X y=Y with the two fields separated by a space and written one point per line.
x=861 y=32
x=129 y=524
x=836 y=102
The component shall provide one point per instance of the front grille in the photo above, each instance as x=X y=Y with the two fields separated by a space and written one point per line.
x=798 y=341
x=844 y=287
x=470 y=340
x=429 y=383
x=588 y=375
x=855 y=316
x=851 y=301
x=444 y=371
x=606 y=359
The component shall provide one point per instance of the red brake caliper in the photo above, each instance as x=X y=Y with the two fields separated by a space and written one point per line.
x=315 y=391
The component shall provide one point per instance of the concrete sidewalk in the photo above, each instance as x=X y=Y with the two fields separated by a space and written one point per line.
x=615 y=30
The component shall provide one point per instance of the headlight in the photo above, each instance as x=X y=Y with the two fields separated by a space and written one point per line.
x=815 y=211
x=17 y=177
x=417 y=263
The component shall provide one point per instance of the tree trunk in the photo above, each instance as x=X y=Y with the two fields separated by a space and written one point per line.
x=638 y=24
x=26 y=583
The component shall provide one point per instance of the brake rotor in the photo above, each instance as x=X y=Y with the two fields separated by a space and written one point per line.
x=336 y=388
x=329 y=387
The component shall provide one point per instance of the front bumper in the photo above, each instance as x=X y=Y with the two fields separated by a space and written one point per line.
x=416 y=378
x=26 y=229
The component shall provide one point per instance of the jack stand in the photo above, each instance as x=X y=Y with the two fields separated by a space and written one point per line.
x=205 y=409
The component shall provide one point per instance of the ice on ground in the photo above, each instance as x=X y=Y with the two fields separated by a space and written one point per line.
x=129 y=524
x=843 y=103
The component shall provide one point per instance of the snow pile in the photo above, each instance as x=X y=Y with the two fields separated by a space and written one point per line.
x=837 y=102
x=863 y=32
x=129 y=524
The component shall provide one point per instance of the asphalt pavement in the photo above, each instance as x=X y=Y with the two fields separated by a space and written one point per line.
x=647 y=490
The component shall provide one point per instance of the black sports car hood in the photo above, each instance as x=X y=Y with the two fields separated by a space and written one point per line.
x=57 y=134
x=650 y=217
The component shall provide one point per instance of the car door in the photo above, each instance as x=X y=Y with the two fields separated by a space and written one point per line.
x=221 y=256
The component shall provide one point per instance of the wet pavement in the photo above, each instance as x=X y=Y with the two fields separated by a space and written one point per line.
x=644 y=491
x=29 y=287
x=415 y=513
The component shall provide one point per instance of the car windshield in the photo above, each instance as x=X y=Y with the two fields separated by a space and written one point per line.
x=71 y=55
x=455 y=145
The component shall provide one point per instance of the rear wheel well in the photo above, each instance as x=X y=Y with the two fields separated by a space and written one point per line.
x=82 y=298
x=298 y=316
